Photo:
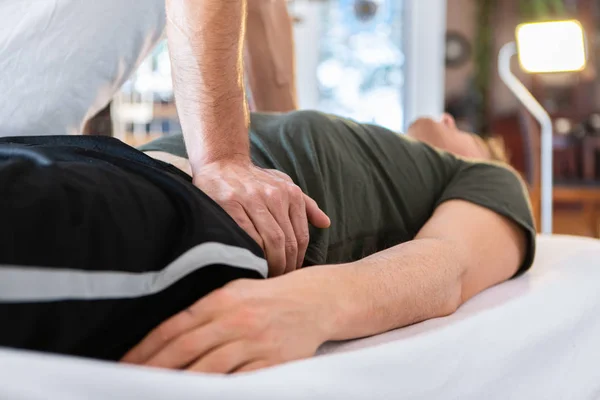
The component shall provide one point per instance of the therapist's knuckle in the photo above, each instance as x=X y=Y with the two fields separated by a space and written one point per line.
x=272 y=194
x=269 y=191
x=252 y=193
x=276 y=237
x=294 y=192
x=227 y=194
x=286 y=177
x=291 y=245
x=303 y=238
x=231 y=203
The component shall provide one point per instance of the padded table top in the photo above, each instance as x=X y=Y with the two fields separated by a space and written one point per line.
x=537 y=336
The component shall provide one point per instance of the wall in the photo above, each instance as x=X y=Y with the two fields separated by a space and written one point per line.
x=461 y=17
x=505 y=23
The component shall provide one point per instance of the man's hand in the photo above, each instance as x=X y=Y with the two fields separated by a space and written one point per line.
x=268 y=206
x=246 y=325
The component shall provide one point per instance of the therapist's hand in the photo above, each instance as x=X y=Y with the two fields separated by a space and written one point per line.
x=246 y=325
x=267 y=205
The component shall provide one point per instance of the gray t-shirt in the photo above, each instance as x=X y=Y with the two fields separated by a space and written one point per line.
x=378 y=188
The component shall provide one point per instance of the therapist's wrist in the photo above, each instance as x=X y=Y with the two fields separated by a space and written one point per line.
x=233 y=151
x=239 y=157
x=217 y=134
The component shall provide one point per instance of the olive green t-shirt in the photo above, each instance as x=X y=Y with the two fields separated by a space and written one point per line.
x=378 y=188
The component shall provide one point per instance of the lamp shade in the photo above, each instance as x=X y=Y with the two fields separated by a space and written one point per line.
x=556 y=46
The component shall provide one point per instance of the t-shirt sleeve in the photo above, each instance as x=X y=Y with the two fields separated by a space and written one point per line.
x=497 y=188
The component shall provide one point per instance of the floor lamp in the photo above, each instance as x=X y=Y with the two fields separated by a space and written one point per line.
x=543 y=48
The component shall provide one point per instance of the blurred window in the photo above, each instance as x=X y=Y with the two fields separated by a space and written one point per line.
x=360 y=71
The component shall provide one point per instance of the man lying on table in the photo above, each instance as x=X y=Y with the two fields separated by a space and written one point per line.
x=105 y=247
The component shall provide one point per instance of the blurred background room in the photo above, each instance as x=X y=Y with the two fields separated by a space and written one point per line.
x=391 y=61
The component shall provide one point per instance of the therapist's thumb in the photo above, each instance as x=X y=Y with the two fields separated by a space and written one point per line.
x=315 y=215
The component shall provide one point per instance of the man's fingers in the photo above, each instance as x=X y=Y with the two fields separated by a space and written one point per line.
x=191 y=346
x=162 y=335
x=299 y=222
x=225 y=359
x=198 y=314
x=253 y=366
x=316 y=216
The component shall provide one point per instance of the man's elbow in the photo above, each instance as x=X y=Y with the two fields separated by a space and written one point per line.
x=477 y=249
x=493 y=265
x=468 y=274
x=453 y=266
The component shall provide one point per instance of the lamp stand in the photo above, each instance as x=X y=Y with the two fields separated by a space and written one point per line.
x=507 y=52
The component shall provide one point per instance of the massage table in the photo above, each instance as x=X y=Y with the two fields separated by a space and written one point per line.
x=535 y=337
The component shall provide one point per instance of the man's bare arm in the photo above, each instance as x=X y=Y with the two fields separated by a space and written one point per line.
x=206 y=47
x=461 y=251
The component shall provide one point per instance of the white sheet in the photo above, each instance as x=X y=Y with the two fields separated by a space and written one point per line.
x=537 y=337
x=61 y=61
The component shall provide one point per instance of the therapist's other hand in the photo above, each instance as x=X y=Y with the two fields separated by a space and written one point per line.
x=245 y=326
x=267 y=205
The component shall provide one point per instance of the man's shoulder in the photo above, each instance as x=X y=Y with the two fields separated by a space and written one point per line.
x=485 y=168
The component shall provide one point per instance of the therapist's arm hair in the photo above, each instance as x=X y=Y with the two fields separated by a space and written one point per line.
x=462 y=250
x=206 y=46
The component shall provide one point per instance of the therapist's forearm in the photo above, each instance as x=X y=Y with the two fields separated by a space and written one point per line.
x=206 y=44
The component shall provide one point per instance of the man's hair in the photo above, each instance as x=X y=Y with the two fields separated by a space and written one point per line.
x=497 y=149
